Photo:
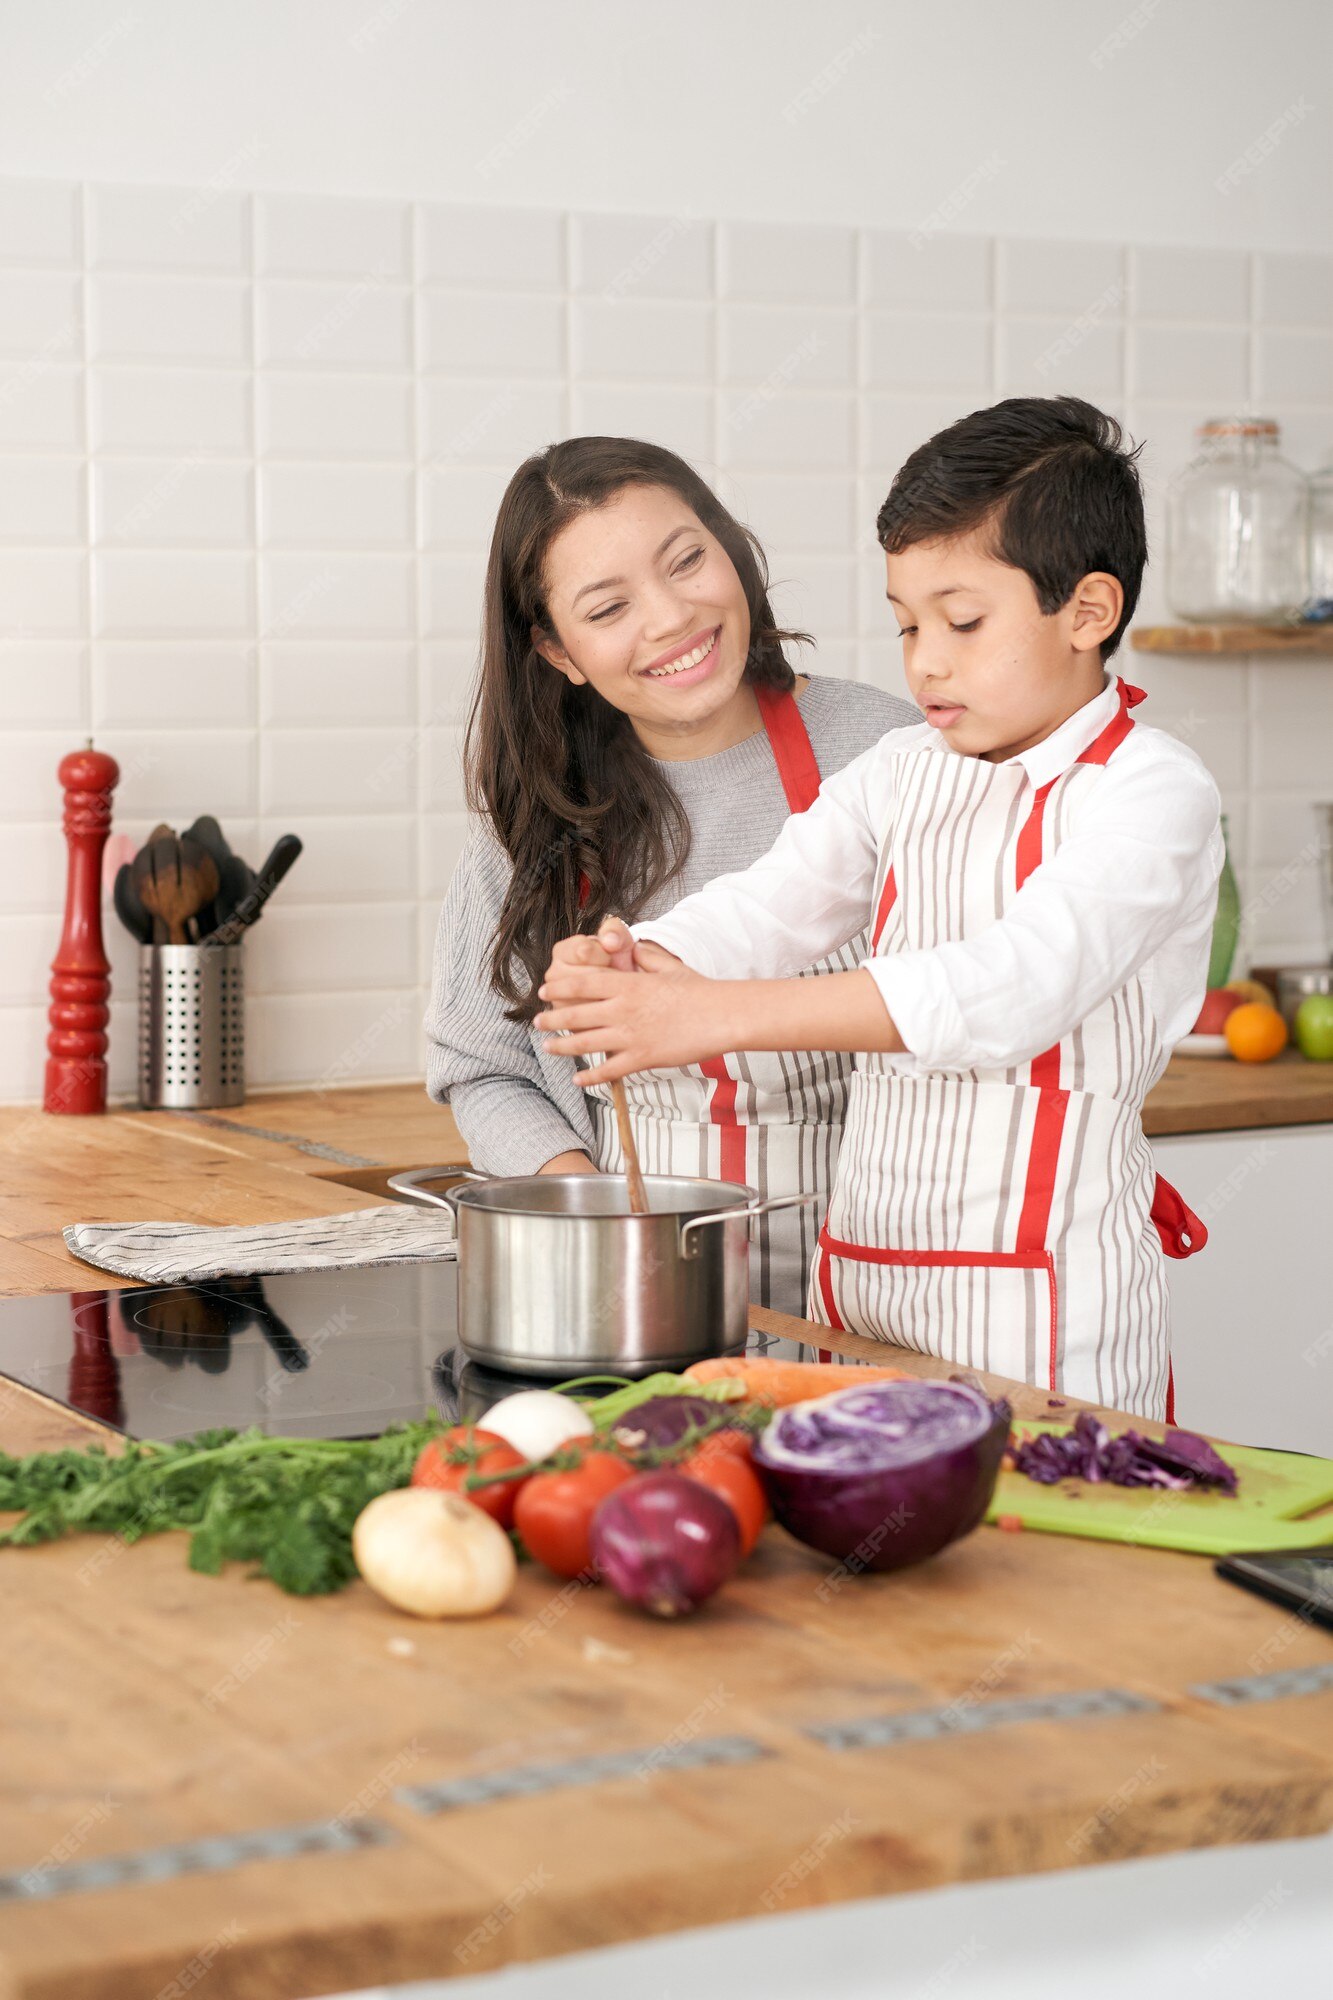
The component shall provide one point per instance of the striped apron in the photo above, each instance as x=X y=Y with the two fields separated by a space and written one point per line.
x=773 y=1122
x=1006 y=1219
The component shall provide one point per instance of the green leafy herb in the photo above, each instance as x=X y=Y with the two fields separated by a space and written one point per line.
x=287 y=1504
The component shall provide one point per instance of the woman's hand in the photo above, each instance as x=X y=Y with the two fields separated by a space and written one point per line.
x=652 y=1013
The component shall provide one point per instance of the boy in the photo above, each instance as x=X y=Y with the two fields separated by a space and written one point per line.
x=1039 y=872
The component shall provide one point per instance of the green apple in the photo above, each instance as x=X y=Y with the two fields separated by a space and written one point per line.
x=1314 y=1027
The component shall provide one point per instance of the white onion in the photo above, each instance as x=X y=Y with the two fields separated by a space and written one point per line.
x=537 y=1422
x=433 y=1553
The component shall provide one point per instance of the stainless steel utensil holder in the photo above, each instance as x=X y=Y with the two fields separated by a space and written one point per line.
x=191 y=1026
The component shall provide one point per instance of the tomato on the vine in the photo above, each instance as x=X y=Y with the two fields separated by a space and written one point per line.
x=555 y=1509
x=731 y=1475
x=458 y=1458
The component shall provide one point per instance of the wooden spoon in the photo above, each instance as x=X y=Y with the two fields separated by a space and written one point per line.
x=638 y=1193
x=183 y=880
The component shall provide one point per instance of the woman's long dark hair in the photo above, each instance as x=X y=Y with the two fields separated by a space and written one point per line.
x=590 y=824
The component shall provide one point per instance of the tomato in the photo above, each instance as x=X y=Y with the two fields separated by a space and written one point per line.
x=732 y=1477
x=555 y=1509
x=454 y=1459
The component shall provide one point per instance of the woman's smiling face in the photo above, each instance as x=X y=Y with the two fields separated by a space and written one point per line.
x=649 y=611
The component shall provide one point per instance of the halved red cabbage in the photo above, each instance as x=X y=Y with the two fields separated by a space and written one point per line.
x=887 y=1475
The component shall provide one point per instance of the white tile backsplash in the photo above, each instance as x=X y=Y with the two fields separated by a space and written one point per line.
x=191 y=321
x=1297 y=366
x=41 y=499
x=300 y=236
x=641 y=338
x=168 y=502
x=1295 y=290
x=137 y=591
x=336 y=416
x=41 y=406
x=1166 y=283
x=244 y=515
x=336 y=506
x=762 y=343
x=656 y=257
x=1191 y=365
x=476 y=333
x=777 y=260
x=41 y=592
x=41 y=313
x=927 y=351
x=359 y=322
x=168 y=229
x=936 y=274
x=169 y=409
x=498 y=249
x=1068 y=278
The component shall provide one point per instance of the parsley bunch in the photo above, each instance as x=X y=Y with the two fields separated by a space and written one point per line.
x=286 y=1504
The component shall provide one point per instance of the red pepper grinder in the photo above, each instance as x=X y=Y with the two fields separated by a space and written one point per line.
x=80 y=971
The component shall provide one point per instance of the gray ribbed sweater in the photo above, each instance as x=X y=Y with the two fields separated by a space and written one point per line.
x=517 y=1107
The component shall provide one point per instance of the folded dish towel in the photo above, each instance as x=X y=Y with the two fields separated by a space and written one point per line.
x=181 y=1252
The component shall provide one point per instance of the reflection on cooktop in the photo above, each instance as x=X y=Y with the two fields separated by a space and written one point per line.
x=309 y=1354
x=298 y=1354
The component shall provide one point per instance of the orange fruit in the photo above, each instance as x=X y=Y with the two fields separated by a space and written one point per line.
x=1255 y=1033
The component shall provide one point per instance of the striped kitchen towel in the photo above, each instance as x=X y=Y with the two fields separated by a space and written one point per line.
x=181 y=1252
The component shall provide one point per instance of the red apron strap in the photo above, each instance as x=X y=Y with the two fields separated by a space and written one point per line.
x=789 y=740
x=794 y=755
x=1182 y=1232
x=1117 y=729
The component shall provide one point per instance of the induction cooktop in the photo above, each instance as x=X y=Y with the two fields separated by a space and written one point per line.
x=298 y=1354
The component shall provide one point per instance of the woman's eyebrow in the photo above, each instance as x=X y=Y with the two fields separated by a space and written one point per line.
x=607 y=582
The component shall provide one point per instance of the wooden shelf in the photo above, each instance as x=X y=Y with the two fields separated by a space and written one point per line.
x=1314 y=639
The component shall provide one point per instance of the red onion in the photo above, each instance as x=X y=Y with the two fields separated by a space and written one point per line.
x=885 y=1475
x=664 y=1542
x=662 y=1421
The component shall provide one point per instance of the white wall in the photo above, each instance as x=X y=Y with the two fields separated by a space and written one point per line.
x=1110 y=119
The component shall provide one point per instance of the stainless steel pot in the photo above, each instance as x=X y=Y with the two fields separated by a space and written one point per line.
x=556 y=1277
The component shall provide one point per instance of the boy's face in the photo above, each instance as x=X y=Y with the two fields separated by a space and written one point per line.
x=985 y=665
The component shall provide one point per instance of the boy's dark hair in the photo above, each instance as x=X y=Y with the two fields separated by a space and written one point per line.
x=1055 y=480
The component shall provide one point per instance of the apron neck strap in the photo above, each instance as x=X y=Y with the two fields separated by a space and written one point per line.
x=1099 y=751
x=789 y=740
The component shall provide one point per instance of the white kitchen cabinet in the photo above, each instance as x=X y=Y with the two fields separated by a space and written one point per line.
x=1252 y=1314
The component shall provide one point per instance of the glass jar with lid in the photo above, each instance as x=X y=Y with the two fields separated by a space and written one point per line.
x=1320 y=606
x=1237 y=545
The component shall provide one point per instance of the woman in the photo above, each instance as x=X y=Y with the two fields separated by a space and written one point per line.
x=637 y=731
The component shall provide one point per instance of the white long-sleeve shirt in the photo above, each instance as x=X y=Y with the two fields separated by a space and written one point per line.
x=1132 y=888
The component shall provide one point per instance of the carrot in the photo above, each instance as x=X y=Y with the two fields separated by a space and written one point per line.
x=777 y=1383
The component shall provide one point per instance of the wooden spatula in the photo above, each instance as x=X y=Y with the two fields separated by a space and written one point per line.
x=183 y=879
x=638 y=1193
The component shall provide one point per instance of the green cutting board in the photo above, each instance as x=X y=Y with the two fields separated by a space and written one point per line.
x=1275 y=1488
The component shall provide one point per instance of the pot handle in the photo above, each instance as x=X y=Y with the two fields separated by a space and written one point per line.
x=412 y=1185
x=688 y=1246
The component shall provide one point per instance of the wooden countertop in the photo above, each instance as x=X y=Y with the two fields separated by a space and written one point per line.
x=248 y=1766
x=291 y=1153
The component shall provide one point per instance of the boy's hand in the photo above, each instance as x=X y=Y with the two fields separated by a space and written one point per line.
x=657 y=1015
x=612 y=946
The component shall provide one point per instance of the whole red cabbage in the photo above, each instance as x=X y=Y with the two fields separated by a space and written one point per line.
x=885 y=1475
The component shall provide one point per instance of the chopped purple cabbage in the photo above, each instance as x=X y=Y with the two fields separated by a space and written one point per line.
x=1180 y=1460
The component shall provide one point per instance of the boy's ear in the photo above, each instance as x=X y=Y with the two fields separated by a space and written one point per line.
x=1097 y=603
x=555 y=655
